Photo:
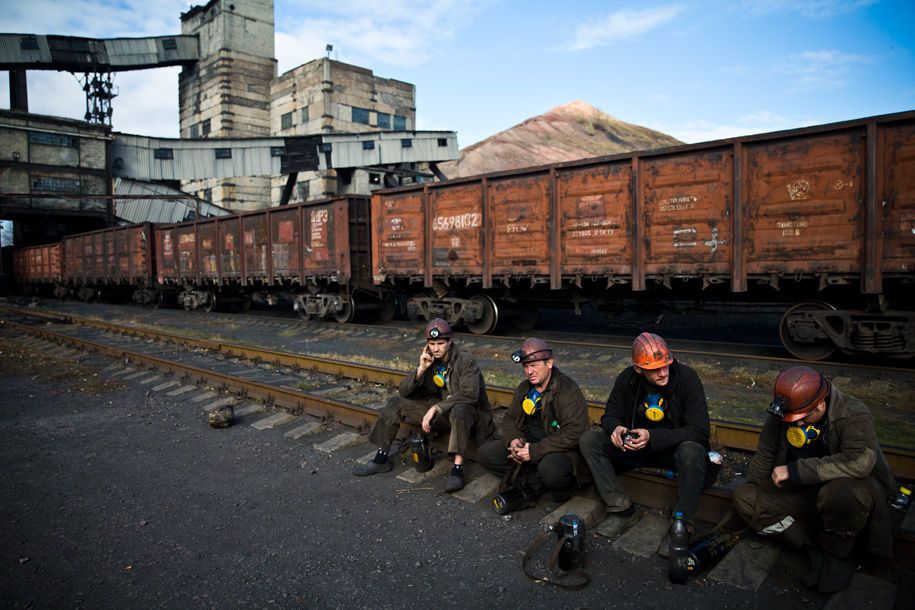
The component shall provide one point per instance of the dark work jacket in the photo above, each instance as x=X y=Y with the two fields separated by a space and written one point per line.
x=562 y=402
x=463 y=385
x=686 y=415
x=853 y=452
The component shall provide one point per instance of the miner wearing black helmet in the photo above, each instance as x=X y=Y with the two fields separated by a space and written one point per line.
x=540 y=432
x=819 y=477
x=446 y=393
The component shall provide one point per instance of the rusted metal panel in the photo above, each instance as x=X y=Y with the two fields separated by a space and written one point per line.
x=167 y=255
x=594 y=205
x=321 y=241
x=229 y=238
x=208 y=250
x=520 y=225
x=256 y=244
x=686 y=206
x=457 y=230
x=739 y=222
x=399 y=229
x=286 y=247
x=804 y=200
x=897 y=198
x=187 y=253
x=38 y=264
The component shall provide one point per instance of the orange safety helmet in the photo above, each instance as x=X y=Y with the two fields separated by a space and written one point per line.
x=649 y=351
x=438 y=329
x=797 y=391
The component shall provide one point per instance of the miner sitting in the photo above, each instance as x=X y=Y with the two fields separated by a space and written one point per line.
x=446 y=393
x=540 y=433
x=819 y=478
x=656 y=416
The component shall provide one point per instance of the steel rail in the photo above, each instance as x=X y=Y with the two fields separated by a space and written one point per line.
x=647 y=490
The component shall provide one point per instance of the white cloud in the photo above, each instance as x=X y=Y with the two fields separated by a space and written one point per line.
x=620 y=25
x=823 y=69
x=398 y=32
x=94 y=18
x=703 y=130
x=813 y=9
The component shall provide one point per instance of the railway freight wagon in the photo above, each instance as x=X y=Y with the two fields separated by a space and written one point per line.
x=820 y=219
x=109 y=264
x=37 y=269
x=315 y=254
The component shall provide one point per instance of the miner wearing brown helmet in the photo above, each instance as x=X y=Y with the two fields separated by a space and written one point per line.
x=819 y=478
x=446 y=393
x=540 y=432
x=656 y=416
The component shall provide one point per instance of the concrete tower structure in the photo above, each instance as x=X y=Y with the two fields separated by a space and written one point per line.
x=227 y=93
x=234 y=91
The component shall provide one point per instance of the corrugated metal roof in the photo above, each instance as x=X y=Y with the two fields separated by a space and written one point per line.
x=18 y=51
x=135 y=156
x=133 y=204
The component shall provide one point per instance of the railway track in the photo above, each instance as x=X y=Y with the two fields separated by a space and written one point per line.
x=278 y=384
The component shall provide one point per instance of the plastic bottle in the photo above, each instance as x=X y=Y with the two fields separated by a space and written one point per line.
x=709 y=551
x=903 y=498
x=679 y=550
x=666 y=473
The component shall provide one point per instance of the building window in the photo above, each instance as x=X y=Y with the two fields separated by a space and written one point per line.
x=205 y=128
x=223 y=153
x=368 y=145
x=374 y=178
x=305 y=114
x=325 y=147
x=169 y=44
x=277 y=151
x=52 y=139
x=384 y=120
x=301 y=191
x=443 y=141
x=55 y=185
x=360 y=115
x=164 y=153
x=28 y=43
x=406 y=143
x=208 y=195
x=195 y=131
x=286 y=121
x=400 y=123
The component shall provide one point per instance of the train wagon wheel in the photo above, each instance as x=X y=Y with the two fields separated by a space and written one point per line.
x=818 y=349
x=490 y=318
x=210 y=305
x=345 y=315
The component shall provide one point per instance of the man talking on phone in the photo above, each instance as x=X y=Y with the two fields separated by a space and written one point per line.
x=446 y=393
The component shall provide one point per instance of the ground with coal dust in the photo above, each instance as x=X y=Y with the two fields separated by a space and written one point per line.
x=114 y=495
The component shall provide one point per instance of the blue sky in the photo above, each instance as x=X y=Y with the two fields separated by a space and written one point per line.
x=695 y=70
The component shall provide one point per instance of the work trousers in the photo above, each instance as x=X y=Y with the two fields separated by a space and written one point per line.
x=829 y=515
x=458 y=422
x=689 y=459
x=555 y=471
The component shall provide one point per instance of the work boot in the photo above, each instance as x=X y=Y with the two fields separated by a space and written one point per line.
x=455 y=480
x=623 y=511
x=836 y=574
x=812 y=578
x=368 y=468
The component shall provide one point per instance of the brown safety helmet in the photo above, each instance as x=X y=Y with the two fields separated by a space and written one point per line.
x=438 y=329
x=649 y=351
x=797 y=391
x=532 y=350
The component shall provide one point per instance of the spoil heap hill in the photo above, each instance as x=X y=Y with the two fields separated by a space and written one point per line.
x=565 y=133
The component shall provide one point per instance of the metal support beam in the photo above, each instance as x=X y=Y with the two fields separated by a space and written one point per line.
x=287 y=190
x=19 y=92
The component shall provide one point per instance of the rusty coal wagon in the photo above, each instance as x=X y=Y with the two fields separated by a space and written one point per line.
x=113 y=263
x=315 y=254
x=820 y=219
x=37 y=269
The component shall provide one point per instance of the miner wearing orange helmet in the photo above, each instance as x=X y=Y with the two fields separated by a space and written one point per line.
x=656 y=416
x=819 y=478
x=445 y=394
